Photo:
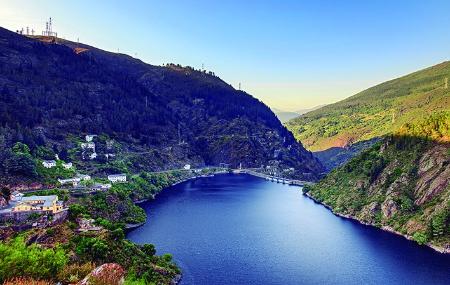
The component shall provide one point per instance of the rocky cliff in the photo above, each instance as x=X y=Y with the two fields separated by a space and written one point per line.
x=401 y=184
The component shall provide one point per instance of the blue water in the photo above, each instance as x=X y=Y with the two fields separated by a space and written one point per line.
x=238 y=229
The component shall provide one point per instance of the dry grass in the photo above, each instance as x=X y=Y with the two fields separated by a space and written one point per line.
x=26 y=281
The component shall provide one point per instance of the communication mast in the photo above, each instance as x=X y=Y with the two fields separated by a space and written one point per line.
x=49 y=29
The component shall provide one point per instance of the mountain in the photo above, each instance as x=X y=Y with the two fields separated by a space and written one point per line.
x=285 y=116
x=145 y=117
x=401 y=183
x=304 y=111
x=375 y=112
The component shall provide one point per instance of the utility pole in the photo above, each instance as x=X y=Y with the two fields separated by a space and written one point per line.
x=179 y=134
x=239 y=85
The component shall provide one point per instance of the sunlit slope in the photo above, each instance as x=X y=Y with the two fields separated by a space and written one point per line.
x=376 y=111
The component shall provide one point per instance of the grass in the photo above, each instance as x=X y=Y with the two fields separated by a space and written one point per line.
x=375 y=112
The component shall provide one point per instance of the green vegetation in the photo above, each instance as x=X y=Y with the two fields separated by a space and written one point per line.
x=399 y=182
x=18 y=260
x=375 y=112
x=86 y=251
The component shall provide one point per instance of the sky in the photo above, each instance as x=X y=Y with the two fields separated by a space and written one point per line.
x=290 y=54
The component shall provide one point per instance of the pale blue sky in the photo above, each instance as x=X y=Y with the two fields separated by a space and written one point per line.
x=289 y=54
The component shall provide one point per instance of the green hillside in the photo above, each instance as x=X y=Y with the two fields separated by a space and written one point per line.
x=400 y=184
x=376 y=111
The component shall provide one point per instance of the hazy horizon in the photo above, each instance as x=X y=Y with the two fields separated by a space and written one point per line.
x=293 y=56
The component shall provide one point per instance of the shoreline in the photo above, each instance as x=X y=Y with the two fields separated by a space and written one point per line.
x=383 y=228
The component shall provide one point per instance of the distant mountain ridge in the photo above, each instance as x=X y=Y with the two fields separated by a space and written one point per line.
x=285 y=116
x=174 y=115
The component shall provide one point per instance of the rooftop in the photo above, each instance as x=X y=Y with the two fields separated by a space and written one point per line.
x=47 y=200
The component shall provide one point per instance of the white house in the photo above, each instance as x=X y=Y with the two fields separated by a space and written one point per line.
x=16 y=196
x=101 y=187
x=89 y=138
x=83 y=177
x=67 y=165
x=117 y=178
x=88 y=145
x=73 y=181
x=187 y=166
x=49 y=163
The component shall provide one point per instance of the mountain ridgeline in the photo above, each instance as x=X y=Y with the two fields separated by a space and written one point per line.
x=157 y=117
x=375 y=112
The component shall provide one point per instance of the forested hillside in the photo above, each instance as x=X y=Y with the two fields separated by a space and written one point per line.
x=375 y=112
x=148 y=117
x=400 y=183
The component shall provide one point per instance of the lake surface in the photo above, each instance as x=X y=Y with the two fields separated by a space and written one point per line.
x=239 y=229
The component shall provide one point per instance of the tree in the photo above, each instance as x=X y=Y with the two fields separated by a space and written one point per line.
x=20 y=148
x=420 y=237
x=149 y=249
x=118 y=234
x=438 y=224
x=75 y=210
x=5 y=192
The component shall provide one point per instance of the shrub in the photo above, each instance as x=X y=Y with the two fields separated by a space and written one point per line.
x=19 y=260
x=75 y=272
x=420 y=237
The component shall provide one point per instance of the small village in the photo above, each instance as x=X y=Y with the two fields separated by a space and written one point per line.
x=44 y=210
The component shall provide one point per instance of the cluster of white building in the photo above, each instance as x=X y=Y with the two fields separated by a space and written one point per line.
x=52 y=163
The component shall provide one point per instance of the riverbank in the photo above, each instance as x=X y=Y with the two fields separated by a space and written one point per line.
x=384 y=228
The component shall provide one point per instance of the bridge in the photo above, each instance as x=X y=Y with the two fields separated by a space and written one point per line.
x=273 y=178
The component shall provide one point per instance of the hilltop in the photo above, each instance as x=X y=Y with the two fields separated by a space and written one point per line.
x=375 y=112
x=146 y=117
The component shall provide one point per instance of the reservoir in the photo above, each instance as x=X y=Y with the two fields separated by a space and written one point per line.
x=240 y=229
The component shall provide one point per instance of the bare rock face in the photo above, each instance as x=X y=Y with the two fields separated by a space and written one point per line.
x=434 y=173
x=3 y=202
x=389 y=208
x=108 y=273
x=368 y=212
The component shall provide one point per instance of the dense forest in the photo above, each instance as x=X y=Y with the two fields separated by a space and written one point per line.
x=53 y=93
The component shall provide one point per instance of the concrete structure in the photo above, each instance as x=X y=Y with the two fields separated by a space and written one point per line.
x=117 y=178
x=16 y=196
x=87 y=225
x=40 y=204
x=83 y=177
x=101 y=187
x=73 y=181
x=89 y=138
x=67 y=165
x=49 y=163
x=88 y=145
